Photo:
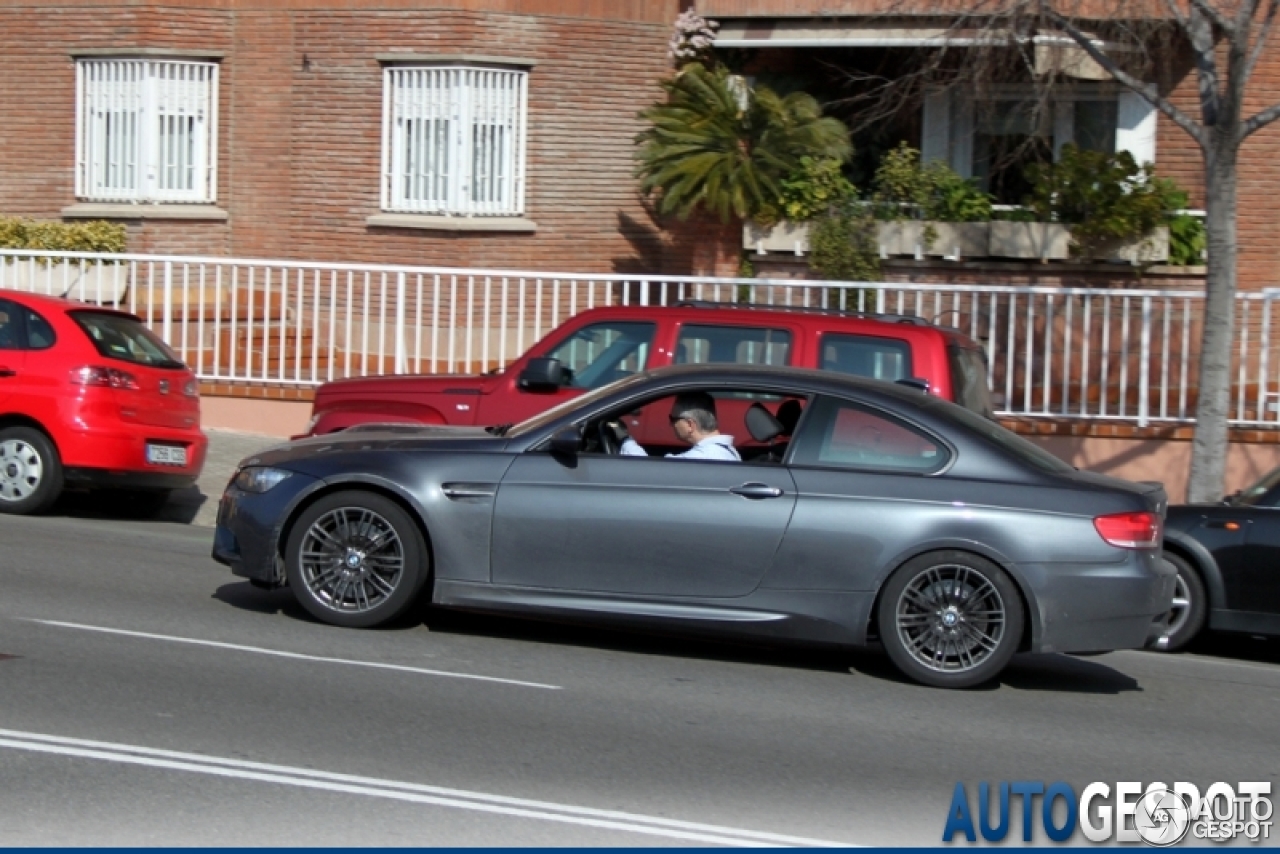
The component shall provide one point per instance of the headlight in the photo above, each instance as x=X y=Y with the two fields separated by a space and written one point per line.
x=259 y=479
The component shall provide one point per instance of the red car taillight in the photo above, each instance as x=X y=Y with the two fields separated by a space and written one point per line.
x=96 y=375
x=1129 y=530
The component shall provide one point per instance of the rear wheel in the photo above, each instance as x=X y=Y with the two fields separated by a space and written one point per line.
x=356 y=559
x=30 y=471
x=950 y=619
x=1186 y=617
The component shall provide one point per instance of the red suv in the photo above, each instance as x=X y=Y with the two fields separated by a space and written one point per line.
x=89 y=397
x=601 y=345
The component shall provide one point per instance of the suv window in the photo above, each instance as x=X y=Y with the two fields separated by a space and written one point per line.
x=969 y=379
x=126 y=339
x=743 y=345
x=866 y=356
x=603 y=352
x=843 y=434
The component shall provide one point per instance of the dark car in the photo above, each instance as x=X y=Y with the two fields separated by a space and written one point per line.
x=861 y=510
x=1228 y=561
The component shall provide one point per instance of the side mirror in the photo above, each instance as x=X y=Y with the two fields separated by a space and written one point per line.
x=914 y=382
x=567 y=441
x=542 y=373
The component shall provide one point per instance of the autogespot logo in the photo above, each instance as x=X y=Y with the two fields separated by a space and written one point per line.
x=1156 y=814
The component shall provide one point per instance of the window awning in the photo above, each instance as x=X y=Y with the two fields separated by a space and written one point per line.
x=809 y=32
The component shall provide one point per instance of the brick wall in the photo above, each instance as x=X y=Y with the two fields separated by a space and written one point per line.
x=299 y=131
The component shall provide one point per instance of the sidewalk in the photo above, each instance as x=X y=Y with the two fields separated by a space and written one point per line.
x=198 y=505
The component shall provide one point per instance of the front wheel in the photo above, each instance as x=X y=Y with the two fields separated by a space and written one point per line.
x=1186 y=616
x=30 y=471
x=950 y=619
x=356 y=559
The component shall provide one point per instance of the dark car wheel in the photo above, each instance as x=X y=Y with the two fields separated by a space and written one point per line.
x=950 y=619
x=30 y=471
x=1186 y=618
x=356 y=559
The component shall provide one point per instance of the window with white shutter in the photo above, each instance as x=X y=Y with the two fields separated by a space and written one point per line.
x=453 y=140
x=146 y=130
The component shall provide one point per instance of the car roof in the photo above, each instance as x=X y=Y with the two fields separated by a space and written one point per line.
x=813 y=316
x=52 y=303
x=811 y=378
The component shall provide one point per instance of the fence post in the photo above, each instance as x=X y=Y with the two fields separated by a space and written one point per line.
x=1144 y=375
x=167 y=324
x=401 y=354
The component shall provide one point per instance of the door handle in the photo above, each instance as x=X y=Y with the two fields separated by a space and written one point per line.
x=7 y=372
x=756 y=490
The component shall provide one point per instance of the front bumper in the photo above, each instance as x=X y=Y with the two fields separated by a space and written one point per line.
x=1098 y=608
x=248 y=533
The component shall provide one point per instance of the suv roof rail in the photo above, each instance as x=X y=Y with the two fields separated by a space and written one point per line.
x=910 y=319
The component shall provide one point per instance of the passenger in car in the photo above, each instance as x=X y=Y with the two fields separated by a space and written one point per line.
x=693 y=418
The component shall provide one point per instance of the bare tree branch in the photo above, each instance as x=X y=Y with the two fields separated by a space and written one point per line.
x=1146 y=90
x=1260 y=120
x=1200 y=33
x=1214 y=14
x=1264 y=31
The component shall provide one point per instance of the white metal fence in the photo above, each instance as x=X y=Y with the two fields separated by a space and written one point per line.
x=1120 y=354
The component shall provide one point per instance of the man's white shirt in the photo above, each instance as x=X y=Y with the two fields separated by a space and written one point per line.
x=711 y=448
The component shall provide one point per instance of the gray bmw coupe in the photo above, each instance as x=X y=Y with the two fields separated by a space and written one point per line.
x=859 y=512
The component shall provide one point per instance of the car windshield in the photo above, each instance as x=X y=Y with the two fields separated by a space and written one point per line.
x=119 y=337
x=1257 y=493
x=556 y=412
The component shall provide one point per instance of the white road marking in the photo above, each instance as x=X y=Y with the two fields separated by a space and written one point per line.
x=282 y=654
x=398 y=790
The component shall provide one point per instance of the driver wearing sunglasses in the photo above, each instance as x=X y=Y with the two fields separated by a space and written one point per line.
x=693 y=420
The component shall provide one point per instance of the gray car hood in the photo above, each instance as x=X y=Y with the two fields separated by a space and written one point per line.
x=380 y=437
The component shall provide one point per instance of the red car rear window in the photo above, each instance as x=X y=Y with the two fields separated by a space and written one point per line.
x=125 y=339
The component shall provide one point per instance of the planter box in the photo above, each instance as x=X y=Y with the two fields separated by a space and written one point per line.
x=959 y=240
x=1048 y=241
x=96 y=283
x=785 y=236
x=1150 y=249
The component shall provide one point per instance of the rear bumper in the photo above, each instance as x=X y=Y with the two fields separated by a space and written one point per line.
x=1098 y=608
x=115 y=454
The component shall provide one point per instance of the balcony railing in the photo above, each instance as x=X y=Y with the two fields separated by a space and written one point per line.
x=1119 y=354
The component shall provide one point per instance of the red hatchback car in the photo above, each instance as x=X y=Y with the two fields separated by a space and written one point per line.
x=91 y=398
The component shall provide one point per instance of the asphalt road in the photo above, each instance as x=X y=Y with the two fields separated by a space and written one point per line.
x=147 y=697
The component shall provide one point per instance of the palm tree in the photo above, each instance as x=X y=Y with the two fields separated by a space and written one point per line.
x=719 y=145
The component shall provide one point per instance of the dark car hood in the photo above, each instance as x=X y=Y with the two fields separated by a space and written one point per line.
x=381 y=437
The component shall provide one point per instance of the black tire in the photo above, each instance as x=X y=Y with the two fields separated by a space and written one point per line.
x=950 y=619
x=135 y=503
x=30 y=471
x=335 y=574
x=1190 y=608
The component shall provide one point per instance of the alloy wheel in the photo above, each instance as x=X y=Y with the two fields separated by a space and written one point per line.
x=352 y=559
x=950 y=618
x=21 y=470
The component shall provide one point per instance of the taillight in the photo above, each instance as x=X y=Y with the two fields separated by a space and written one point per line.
x=1129 y=530
x=191 y=388
x=96 y=375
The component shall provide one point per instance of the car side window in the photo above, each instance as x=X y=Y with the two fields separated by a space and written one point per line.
x=741 y=345
x=842 y=434
x=40 y=335
x=871 y=356
x=601 y=353
x=10 y=326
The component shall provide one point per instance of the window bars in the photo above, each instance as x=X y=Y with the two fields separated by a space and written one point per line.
x=454 y=140
x=146 y=130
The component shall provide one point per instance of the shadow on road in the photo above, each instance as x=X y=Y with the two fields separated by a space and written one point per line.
x=182 y=507
x=1066 y=673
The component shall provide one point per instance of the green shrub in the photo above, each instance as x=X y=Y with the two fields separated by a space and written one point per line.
x=1187 y=240
x=843 y=245
x=905 y=188
x=88 y=236
x=1104 y=197
x=815 y=187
